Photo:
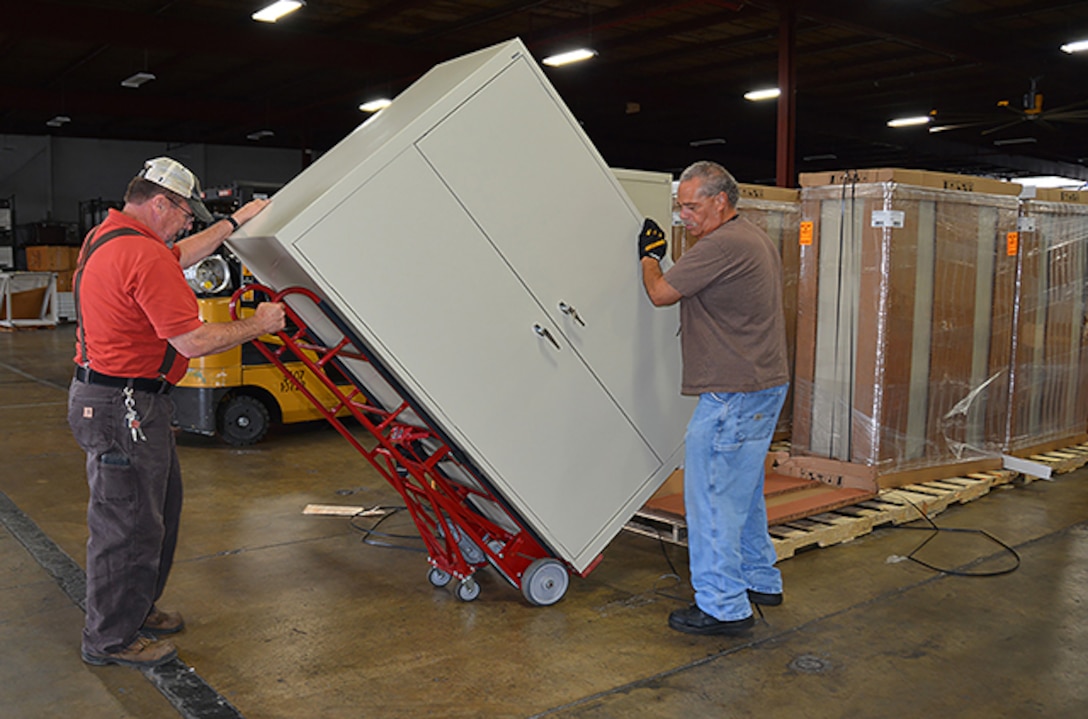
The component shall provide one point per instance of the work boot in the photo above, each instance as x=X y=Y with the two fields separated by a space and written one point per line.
x=143 y=652
x=159 y=622
x=694 y=620
x=766 y=599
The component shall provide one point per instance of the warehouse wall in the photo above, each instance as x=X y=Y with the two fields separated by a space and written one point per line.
x=50 y=176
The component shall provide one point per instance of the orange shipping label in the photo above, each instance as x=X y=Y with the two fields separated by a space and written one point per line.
x=1012 y=243
x=806 y=233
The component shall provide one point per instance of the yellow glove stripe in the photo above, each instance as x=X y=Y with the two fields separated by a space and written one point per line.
x=653 y=245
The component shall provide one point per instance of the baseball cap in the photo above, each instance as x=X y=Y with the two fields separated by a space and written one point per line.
x=176 y=177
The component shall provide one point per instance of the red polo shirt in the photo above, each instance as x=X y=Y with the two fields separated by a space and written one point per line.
x=132 y=298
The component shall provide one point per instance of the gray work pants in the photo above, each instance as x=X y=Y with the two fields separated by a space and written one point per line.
x=133 y=510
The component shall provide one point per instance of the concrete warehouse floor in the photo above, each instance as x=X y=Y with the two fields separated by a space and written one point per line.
x=293 y=616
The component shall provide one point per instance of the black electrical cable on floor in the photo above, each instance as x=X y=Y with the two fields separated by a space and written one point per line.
x=672 y=574
x=675 y=577
x=371 y=531
x=937 y=530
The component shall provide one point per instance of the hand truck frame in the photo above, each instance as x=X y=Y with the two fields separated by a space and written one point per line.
x=463 y=523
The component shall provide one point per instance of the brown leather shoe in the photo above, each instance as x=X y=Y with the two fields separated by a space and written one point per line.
x=144 y=652
x=159 y=622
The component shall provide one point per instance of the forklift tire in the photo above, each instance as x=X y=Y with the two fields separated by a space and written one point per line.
x=243 y=420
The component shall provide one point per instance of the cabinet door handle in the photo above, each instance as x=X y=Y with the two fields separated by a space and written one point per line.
x=543 y=332
x=569 y=310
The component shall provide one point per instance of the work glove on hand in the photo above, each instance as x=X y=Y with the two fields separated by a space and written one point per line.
x=651 y=241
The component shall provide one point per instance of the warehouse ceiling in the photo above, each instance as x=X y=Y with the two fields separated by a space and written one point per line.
x=665 y=88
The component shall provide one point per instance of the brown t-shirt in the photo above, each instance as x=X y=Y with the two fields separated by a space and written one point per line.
x=733 y=329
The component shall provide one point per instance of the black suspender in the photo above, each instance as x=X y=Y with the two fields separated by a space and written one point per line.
x=89 y=246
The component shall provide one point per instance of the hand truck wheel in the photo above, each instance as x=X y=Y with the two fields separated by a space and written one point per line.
x=468 y=590
x=545 y=582
x=438 y=578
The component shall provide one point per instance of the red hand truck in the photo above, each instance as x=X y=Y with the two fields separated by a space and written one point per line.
x=463 y=524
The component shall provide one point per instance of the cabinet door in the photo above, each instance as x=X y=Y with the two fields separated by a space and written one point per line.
x=575 y=244
x=441 y=307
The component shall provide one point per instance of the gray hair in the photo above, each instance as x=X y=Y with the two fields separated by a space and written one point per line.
x=715 y=179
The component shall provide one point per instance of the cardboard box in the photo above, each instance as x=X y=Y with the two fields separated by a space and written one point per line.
x=1057 y=194
x=51 y=258
x=917 y=178
x=773 y=194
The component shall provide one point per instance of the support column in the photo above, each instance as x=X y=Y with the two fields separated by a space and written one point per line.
x=785 y=175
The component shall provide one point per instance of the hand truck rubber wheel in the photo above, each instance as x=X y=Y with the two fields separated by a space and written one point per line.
x=545 y=582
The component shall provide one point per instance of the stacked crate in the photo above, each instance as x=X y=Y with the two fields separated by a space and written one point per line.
x=905 y=304
x=1048 y=382
x=60 y=259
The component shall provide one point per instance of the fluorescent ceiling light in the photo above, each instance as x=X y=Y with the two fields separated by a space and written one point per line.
x=1049 y=181
x=566 y=58
x=908 y=121
x=137 y=79
x=825 y=156
x=276 y=10
x=260 y=135
x=710 y=141
x=769 y=93
x=375 y=105
x=58 y=121
x=1078 y=46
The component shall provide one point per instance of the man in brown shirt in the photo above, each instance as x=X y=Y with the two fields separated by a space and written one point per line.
x=733 y=341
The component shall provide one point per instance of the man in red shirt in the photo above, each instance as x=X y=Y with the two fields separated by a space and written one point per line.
x=138 y=327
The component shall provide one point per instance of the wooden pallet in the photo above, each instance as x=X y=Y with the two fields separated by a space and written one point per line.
x=665 y=526
x=892 y=506
x=1064 y=460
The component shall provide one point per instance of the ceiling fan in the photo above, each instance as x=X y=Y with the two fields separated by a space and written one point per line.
x=1030 y=110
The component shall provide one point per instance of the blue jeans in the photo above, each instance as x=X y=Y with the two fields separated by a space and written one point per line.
x=729 y=549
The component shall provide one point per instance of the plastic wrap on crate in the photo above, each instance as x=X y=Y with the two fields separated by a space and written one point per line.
x=904 y=328
x=781 y=220
x=1049 y=371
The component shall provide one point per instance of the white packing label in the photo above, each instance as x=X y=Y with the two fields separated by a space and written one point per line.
x=1025 y=224
x=888 y=218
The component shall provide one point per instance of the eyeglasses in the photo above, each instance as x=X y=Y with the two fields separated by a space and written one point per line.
x=188 y=213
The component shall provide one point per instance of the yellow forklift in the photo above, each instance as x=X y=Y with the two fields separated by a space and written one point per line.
x=237 y=395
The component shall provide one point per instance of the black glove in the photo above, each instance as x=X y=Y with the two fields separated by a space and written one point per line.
x=651 y=241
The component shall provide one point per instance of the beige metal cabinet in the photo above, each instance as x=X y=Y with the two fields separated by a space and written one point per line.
x=475 y=240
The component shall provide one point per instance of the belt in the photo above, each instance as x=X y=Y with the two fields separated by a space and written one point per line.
x=143 y=384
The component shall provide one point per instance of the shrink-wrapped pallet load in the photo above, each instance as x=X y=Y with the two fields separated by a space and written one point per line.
x=904 y=331
x=1049 y=375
